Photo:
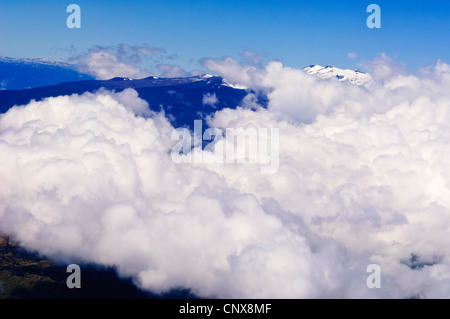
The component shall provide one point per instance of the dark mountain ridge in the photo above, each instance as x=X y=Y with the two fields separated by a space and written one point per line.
x=182 y=99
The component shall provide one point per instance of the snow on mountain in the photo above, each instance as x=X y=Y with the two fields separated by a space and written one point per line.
x=17 y=74
x=328 y=72
x=36 y=62
x=234 y=86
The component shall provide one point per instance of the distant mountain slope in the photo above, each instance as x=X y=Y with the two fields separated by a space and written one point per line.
x=181 y=98
x=17 y=74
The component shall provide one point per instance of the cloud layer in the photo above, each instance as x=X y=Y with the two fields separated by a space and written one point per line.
x=363 y=178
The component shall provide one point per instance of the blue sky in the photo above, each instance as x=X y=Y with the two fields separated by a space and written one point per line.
x=297 y=33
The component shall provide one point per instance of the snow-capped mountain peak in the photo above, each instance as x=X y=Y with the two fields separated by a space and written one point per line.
x=329 y=72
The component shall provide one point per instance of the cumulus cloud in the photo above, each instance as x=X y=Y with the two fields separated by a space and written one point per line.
x=384 y=67
x=106 y=62
x=104 y=66
x=233 y=71
x=291 y=91
x=363 y=179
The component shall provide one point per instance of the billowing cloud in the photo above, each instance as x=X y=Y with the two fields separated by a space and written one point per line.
x=104 y=66
x=291 y=91
x=384 y=67
x=234 y=72
x=363 y=179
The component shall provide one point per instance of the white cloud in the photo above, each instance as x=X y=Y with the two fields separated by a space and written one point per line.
x=210 y=99
x=104 y=66
x=168 y=70
x=384 y=67
x=105 y=63
x=233 y=71
x=363 y=178
x=171 y=71
x=352 y=55
x=252 y=57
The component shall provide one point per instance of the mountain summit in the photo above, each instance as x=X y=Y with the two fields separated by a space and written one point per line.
x=328 y=72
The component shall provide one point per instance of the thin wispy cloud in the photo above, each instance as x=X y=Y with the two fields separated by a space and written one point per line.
x=170 y=70
x=352 y=55
x=106 y=62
